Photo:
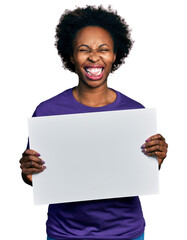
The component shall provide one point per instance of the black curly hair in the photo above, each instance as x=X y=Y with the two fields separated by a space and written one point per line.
x=72 y=21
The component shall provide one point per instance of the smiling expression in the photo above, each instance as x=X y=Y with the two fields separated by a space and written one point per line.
x=93 y=55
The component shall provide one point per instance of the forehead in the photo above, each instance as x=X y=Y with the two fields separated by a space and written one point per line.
x=93 y=35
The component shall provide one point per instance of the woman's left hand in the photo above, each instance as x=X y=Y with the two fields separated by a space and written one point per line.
x=156 y=146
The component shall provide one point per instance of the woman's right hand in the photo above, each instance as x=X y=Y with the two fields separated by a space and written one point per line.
x=30 y=163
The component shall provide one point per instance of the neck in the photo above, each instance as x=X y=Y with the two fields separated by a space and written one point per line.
x=94 y=97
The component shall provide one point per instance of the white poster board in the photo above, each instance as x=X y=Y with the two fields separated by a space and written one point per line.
x=93 y=155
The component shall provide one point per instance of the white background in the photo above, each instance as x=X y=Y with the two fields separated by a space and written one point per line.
x=154 y=74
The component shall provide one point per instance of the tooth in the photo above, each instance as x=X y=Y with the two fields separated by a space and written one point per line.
x=95 y=71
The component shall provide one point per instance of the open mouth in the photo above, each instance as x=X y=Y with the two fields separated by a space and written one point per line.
x=94 y=73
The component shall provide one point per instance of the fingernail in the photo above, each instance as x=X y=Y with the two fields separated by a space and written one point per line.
x=42 y=162
x=149 y=139
x=43 y=168
x=143 y=146
x=37 y=154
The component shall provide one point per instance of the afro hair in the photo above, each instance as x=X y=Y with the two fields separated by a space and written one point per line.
x=72 y=21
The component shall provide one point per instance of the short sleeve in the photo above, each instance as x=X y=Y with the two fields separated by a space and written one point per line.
x=28 y=144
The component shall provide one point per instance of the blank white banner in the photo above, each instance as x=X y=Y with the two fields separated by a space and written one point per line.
x=94 y=156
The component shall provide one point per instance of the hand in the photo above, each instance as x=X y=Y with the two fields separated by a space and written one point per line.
x=31 y=163
x=156 y=146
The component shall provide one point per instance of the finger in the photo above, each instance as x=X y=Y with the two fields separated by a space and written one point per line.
x=31 y=165
x=156 y=136
x=153 y=143
x=30 y=152
x=28 y=171
x=158 y=154
x=31 y=158
x=158 y=146
x=166 y=145
x=153 y=149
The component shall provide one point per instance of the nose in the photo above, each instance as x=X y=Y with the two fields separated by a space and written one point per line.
x=94 y=57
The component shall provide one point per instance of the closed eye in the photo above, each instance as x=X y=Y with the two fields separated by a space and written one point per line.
x=103 y=50
x=82 y=50
x=88 y=50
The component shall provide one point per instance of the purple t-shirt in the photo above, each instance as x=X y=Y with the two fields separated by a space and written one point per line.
x=118 y=218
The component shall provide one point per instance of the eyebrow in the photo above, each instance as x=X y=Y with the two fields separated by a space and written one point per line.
x=84 y=45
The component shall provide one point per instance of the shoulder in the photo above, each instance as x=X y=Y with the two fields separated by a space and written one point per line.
x=52 y=105
x=128 y=102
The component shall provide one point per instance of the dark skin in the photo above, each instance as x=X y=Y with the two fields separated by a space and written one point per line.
x=93 y=46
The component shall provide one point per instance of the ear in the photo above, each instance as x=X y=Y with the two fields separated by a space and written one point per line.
x=72 y=59
x=114 y=58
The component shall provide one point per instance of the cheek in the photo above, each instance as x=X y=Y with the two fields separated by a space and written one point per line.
x=109 y=58
x=80 y=60
x=77 y=63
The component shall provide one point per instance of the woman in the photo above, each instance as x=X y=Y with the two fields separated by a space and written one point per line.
x=92 y=42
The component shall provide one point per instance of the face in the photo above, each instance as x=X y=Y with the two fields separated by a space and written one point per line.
x=93 y=55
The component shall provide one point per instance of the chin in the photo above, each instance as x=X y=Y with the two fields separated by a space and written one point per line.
x=95 y=83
